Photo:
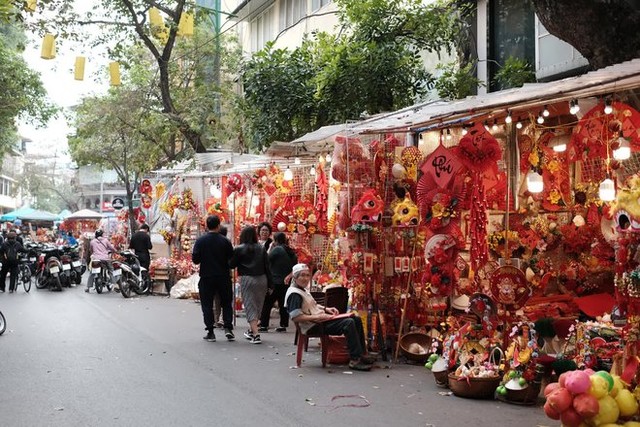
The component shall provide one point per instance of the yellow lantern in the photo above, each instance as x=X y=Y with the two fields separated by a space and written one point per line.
x=48 y=47
x=162 y=34
x=155 y=20
x=185 y=27
x=78 y=70
x=30 y=5
x=114 y=73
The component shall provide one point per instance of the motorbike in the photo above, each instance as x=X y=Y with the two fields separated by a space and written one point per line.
x=134 y=277
x=49 y=269
x=102 y=275
x=65 y=260
x=78 y=266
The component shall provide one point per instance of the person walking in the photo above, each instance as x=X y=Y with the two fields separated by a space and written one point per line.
x=10 y=249
x=282 y=258
x=304 y=311
x=141 y=244
x=100 y=248
x=250 y=258
x=212 y=252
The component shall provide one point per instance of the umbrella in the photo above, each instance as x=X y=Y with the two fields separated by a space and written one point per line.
x=13 y=215
x=64 y=213
x=85 y=214
x=37 y=215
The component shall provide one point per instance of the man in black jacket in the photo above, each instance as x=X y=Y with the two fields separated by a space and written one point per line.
x=212 y=252
x=10 y=249
x=141 y=244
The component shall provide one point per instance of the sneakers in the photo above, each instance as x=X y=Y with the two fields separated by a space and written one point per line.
x=248 y=335
x=359 y=366
x=86 y=290
x=229 y=334
x=368 y=359
x=281 y=329
x=256 y=340
x=211 y=337
x=263 y=329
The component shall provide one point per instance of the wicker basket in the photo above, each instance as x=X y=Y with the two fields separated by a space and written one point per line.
x=525 y=396
x=423 y=340
x=441 y=378
x=474 y=388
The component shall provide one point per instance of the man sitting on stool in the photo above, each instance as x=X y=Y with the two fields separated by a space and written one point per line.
x=305 y=312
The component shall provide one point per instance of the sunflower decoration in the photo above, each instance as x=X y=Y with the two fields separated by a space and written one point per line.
x=410 y=158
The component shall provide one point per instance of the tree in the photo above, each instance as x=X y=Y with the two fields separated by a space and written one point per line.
x=46 y=191
x=123 y=23
x=604 y=32
x=372 y=65
x=108 y=135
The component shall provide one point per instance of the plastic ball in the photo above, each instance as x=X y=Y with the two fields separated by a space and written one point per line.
x=282 y=226
x=609 y=411
x=398 y=171
x=599 y=387
x=627 y=403
x=607 y=376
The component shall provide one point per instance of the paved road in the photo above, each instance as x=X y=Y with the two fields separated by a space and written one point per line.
x=77 y=359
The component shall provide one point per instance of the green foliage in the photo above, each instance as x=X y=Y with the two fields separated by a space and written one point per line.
x=514 y=73
x=455 y=82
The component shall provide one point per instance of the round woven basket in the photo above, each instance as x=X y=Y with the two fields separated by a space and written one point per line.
x=473 y=388
x=525 y=396
x=441 y=378
x=423 y=340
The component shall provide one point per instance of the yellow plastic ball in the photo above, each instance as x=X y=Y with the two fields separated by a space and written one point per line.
x=609 y=412
x=627 y=403
x=599 y=387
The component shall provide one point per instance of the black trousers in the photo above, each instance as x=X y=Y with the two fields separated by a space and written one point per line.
x=209 y=287
x=351 y=328
x=12 y=269
x=279 y=291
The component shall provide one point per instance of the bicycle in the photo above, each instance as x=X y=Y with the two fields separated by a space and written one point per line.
x=24 y=274
x=3 y=323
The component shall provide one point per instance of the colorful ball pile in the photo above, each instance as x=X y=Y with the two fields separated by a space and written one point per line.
x=594 y=399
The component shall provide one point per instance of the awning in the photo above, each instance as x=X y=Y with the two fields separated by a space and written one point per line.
x=606 y=81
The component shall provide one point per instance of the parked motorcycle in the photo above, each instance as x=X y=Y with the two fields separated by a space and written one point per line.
x=77 y=265
x=49 y=269
x=102 y=275
x=134 y=277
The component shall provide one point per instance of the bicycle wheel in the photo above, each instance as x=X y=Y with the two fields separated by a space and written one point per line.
x=25 y=275
x=3 y=323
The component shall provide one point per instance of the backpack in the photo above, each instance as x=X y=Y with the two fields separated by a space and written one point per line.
x=10 y=252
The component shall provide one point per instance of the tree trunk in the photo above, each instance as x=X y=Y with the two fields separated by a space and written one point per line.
x=605 y=32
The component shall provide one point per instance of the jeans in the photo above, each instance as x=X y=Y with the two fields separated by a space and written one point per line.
x=279 y=291
x=103 y=264
x=351 y=328
x=12 y=269
x=208 y=288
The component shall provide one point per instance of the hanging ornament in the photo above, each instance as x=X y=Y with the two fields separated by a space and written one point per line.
x=114 y=73
x=398 y=171
x=78 y=69
x=31 y=5
x=48 y=47
x=185 y=27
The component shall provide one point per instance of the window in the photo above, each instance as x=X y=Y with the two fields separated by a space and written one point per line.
x=317 y=4
x=291 y=11
x=262 y=29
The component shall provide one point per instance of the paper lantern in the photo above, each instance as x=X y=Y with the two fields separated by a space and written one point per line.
x=185 y=27
x=607 y=190
x=114 y=73
x=48 y=47
x=155 y=18
x=78 y=70
x=535 y=184
x=30 y=5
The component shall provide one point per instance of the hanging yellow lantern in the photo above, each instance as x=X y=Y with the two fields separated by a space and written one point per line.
x=48 y=47
x=162 y=34
x=155 y=20
x=30 y=5
x=114 y=73
x=185 y=27
x=78 y=70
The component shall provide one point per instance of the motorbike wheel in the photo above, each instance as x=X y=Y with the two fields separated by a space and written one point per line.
x=143 y=287
x=3 y=323
x=55 y=282
x=97 y=282
x=125 y=286
x=41 y=281
x=77 y=279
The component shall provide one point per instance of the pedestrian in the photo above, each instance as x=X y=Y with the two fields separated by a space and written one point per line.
x=250 y=258
x=100 y=248
x=10 y=249
x=305 y=312
x=217 y=307
x=212 y=252
x=71 y=241
x=282 y=258
x=264 y=235
x=141 y=244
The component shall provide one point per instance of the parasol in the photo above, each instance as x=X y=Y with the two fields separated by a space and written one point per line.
x=85 y=214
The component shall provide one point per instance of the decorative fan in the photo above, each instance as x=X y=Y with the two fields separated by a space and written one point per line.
x=509 y=287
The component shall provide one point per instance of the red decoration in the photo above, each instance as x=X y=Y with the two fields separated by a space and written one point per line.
x=234 y=183
x=442 y=166
x=145 y=187
x=146 y=201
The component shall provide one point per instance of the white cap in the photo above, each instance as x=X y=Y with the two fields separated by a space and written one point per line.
x=299 y=268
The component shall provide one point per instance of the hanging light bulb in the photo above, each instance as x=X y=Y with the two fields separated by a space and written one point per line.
x=545 y=112
x=574 y=107
x=608 y=108
x=607 y=191
x=328 y=158
x=508 y=119
x=320 y=158
x=449 y=135
x=288 y=174
x=534 y=182
x=623 y=152
x=495 y=125
x=540 y=119
x=296 y=160
x=558 y=143
x=312 y=171
x=464 y=130
x=518 y=124
x=215 y=191
x=486 y=125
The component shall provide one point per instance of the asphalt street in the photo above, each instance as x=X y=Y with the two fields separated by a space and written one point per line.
x=75 y=359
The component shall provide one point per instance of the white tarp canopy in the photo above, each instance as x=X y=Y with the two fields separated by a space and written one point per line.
x=85 y=214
